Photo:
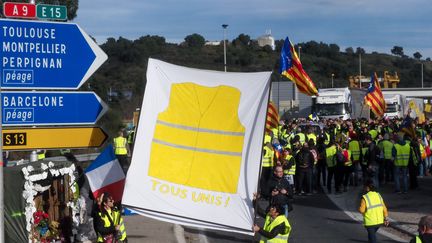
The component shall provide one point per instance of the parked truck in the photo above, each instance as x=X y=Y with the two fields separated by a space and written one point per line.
x=343 y=103
x=396 y=104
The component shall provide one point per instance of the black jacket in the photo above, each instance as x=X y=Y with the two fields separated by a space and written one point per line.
x=278 y=184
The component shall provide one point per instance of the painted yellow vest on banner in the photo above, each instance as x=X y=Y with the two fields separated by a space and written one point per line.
x=198 y=139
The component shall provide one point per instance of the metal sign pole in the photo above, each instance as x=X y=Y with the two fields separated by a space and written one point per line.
x=2 y=229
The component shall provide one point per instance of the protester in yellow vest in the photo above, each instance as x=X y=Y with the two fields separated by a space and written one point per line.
x=41 y=153
x=348 y=166
x=424 y=229
x=276 y=226
x=374 y=211
x=402 y=154
x=121 y=150
x=386 y=147
x=331 y=164
x=357 y=156
x=108 y=222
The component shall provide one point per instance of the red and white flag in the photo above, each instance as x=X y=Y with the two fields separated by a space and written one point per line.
x=106 y=175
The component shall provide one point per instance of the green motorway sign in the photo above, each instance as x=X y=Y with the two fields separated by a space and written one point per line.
x=47 y=11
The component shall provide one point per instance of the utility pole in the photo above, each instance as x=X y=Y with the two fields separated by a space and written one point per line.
x=224 y=26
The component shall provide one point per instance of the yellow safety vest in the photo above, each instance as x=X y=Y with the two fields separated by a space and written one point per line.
x=373 y=133
x=120 y=145
x=41 y=156
x=270 y=224
x=267 y=139
x=291 y=170
x=418 y=240
x=388 y=148
x=268 y=157
x=374 y=214
x=354 y=147
x=402 y=154
x=312 y=136
x=302 y=137
x=330 y=153
x=116 y=219
x=202 y=136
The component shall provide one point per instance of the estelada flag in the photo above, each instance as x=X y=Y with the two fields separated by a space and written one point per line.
x=272 y=120
x=407 y=127
x=374 y=97
x=291 y=67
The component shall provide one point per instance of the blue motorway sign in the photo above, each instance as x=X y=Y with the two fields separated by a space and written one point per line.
x=46 y=55
x=23 y=108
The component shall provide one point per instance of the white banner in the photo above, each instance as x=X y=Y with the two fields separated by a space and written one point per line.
x=198 y=147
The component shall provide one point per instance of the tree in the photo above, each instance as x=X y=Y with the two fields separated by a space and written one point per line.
x=242 y=39
x=398 y=51
x=417 y=55
x=360 y=50
x=428 y=59
x=195 y=40
x=349 y=50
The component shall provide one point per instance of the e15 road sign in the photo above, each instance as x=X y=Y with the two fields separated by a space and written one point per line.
x=46 y=55
x=21 y=108
x=47 y=11
x=53 y=138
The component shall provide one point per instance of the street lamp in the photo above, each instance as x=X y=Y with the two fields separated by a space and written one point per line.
x=224 y=26
x=332 y=76
x=422 y=74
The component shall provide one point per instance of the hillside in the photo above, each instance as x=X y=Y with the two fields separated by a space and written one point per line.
x=121 y=80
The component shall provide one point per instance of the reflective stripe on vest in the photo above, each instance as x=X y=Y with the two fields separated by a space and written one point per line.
x=202 y=136
x=374 y=214
x=270 y=224
x=120 y=145
x=354 y=147
x=402 y=154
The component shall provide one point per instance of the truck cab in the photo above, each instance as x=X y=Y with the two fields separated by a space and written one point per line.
x=395 y=105
x=342 y=103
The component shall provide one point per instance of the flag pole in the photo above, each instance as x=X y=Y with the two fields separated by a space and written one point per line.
x=261 y=160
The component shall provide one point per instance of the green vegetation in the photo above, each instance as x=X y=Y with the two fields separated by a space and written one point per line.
x=124 y=74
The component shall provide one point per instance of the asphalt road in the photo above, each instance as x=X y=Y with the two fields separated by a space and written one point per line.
x=315 y=219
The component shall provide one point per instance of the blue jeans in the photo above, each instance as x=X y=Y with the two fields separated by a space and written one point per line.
x=401 y=171
x=372 y=233
x=286 y=210
x=428 y=163
x=422 y=167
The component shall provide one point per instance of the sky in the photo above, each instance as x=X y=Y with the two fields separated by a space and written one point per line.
x=374 y=25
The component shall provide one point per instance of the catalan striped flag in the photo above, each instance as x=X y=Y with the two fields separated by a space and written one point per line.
x=291 y=67
x=374 y=97
x=272 y=120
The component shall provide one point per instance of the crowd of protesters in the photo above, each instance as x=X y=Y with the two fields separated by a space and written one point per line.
x=345 y=153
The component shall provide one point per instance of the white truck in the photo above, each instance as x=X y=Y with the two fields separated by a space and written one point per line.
x=343 y=103
x=397 y=106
